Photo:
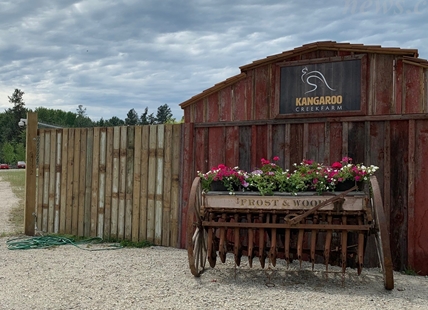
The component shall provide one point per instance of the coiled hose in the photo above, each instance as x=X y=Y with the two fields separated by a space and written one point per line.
x=42 y=242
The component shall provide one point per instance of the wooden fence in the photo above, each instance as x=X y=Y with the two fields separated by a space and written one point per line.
x=115 y=183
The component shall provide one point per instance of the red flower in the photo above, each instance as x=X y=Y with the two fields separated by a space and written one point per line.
x=308 y=162
x=265 y=161
x=336 y=165
x=276 y=158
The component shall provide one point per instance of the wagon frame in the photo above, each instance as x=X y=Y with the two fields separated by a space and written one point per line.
x=287 y=226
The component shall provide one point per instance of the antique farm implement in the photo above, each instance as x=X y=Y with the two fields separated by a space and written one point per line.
x=331 y=229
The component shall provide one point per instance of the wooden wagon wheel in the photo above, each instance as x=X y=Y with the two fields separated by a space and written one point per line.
x=196 y=234
x=382 y=236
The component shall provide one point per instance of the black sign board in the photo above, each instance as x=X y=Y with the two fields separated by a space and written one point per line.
x=321 y=88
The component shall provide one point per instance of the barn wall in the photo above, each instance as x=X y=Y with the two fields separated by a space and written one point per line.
x=240 y=128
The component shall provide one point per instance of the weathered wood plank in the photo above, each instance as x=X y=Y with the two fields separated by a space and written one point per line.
x=64 y=177
x=144 y=192
x=411 y=244
x=231 y=148
x=166 y=182
x=398 y=191
x=122 y=183
x=244 y=148
x=52 y=183
x=130 y=142
x=175 y=218
x=31 y=175
x=69 y=213
x=216 y=140
x=46 y=178
x=159 y=183
x=136 y=184
x=95 y=182
x=58 y=171
x=88 y=181
x=102 y=182
x=188 y=170
x=82 y=183
x=40 y=179
x=115 y=183
x=151 y=186
x=109 y=182
x=225 y=104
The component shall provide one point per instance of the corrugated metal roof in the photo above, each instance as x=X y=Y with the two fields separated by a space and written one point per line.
x=409 y=54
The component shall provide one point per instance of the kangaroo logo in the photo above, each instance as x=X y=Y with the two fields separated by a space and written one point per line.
x=306 y=76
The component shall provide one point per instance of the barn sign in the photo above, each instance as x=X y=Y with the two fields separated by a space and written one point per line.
x=321 y=87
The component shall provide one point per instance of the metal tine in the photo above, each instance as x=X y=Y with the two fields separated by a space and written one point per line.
x=262 y=243
x=222 y=243
x=250 y=242
x=287 y=246
x=236 y=243
x=344 y=245
x=360 y=247
x=211 y=252
x=272 y=252
x=300 y=245
x=328 y=243
x=313 y=242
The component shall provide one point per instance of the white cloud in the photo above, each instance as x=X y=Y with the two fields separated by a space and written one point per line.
x=113 y=56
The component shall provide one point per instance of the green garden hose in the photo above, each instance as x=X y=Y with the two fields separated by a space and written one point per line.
x=42 y=242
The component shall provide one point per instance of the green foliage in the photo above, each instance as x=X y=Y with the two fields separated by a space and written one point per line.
x=164 y=115
x=132 y=244
x=8 y=153
x=11 y=133
x=410 y=271
x=147 y=119
x=114 y=121
x=56 y=117
x=132 y=118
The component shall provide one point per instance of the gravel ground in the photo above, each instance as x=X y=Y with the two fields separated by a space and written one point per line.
x=68 y=277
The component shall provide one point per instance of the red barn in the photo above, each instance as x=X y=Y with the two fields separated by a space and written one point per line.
x=323 y=101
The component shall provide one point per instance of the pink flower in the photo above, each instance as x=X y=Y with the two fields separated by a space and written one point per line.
x=308 y=162
x=265 y=161
x=276 y=158
x=336 y=165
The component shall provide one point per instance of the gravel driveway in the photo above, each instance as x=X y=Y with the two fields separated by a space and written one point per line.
x=67 y=277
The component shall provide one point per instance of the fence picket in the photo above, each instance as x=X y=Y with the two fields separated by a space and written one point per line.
x=116 y=182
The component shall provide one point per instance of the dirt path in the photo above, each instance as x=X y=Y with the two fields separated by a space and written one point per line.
x=8 y=201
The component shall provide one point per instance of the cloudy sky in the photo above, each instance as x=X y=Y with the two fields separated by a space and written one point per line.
x=112 y=56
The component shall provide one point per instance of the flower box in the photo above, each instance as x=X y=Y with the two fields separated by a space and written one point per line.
x=270 y=178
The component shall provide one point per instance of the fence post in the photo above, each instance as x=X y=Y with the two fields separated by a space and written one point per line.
x=30 y=174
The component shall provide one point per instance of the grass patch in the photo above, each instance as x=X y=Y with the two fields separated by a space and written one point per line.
x=410 y=271
x=16 y=178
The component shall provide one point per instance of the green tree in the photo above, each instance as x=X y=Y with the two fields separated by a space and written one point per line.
x=115 y=121
x=147 y=119
x=56 y=117
x=164 y=115
x=81 y=119
x=132 y=118
x=8 y=153
x=20 y=152
x=11 y=132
